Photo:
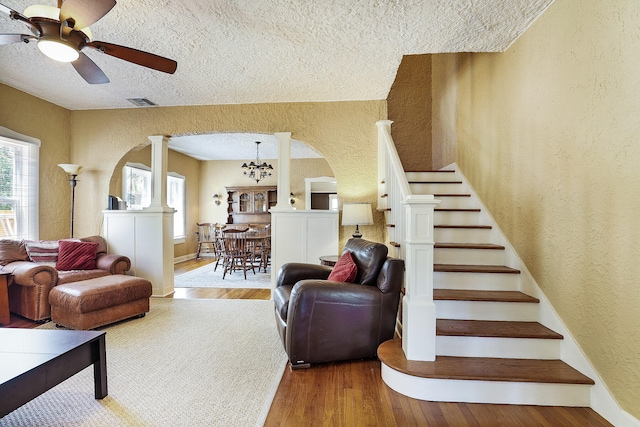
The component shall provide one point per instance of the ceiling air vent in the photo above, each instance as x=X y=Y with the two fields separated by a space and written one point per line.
x=141 y=102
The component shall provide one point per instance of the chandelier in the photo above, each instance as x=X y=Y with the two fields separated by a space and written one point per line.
x=257 y=171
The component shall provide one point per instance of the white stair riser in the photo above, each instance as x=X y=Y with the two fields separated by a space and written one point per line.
x=468 y=256
x=391 y=234
x=462 y=235
x=476 y=281
x=432 y=176
x=487 y=310
x=497 y=392
x=456 y=218
x=437 y=188
x=393 y=251
x=457 y=203
x=510 y=348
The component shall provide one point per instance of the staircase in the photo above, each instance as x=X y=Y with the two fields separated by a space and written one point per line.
x=490 y=344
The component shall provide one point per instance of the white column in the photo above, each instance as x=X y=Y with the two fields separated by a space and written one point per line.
x=418 y=308
x=284 y=169
x=146 y=236
x=159 y=155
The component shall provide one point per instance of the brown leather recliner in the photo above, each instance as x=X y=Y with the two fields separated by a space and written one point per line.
x=324 y=321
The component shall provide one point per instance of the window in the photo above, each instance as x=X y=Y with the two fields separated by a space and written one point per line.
x=136 y=183
x=176 y=200
x=19 y=162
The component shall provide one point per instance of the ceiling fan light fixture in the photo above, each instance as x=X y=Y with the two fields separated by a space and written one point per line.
x=58 y=50
x=42 y=11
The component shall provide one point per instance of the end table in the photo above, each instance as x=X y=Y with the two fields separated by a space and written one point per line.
x=329 y=260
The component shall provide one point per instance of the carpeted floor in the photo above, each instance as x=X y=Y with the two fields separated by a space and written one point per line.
x=205 y=277
x=186 y=363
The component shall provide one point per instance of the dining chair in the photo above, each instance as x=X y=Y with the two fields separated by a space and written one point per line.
x=218 y=245
x=265 y=253
x=237 y=254
x=206 y=236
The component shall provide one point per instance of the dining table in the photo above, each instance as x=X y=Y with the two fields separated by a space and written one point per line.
x=257 y=246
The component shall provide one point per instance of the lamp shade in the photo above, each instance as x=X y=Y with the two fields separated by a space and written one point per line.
x=357 y=214
x=71 y=169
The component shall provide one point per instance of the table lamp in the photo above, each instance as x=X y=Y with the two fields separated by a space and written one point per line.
x=357 y=214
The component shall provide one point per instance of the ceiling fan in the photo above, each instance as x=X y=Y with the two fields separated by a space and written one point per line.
x=63 y=32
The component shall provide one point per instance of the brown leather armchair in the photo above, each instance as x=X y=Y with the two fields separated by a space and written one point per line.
x=324 y=321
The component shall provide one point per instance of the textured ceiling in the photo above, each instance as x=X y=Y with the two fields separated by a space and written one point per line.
x=261 y=51
x=237 y=146
x=257 y=51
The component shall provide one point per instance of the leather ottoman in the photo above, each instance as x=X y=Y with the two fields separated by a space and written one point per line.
x=89 y=304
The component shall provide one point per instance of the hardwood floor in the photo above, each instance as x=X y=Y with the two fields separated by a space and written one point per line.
x=214 y=293
x=353 y=393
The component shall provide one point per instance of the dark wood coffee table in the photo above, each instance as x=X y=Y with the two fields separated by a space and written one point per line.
x=33 y=360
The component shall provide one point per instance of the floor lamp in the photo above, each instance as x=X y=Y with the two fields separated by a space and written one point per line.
x=357 y=214
x=72 y=172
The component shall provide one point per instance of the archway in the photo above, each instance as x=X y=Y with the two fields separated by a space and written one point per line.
x=210 y=162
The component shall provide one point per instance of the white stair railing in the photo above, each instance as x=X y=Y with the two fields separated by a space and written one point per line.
x=412 y=216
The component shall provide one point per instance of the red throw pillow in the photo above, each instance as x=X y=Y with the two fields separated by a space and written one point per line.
x=76 y=255
x=345 y=269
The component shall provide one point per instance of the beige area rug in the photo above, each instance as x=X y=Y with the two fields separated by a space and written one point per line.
x=205 y=277
x=186 y=363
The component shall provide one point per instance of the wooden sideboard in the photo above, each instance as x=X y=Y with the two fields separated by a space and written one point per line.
x=250 y=204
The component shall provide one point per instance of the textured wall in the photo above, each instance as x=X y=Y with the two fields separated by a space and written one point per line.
x=548 y=134
x=409 y=105
x=34 y=117
x=444 y=97
x=343 y=132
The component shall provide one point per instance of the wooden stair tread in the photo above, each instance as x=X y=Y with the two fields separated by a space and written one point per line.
x=431 y=171
x=481 y=227
x=435 y=182
x=482 y=369
x=484 y=296
x=460 y=268
x=494 y=329
x=468 y=246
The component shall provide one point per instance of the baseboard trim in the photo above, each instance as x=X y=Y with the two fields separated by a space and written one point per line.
x=189 y=257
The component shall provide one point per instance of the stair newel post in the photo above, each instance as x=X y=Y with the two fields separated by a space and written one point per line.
x=418 y=308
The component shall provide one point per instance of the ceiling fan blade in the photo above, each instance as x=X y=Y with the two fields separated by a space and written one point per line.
x=89 y=70
x=14 y=38
x=20 y=17
x=5 y=9
x=85 y=12
x=139 y=57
